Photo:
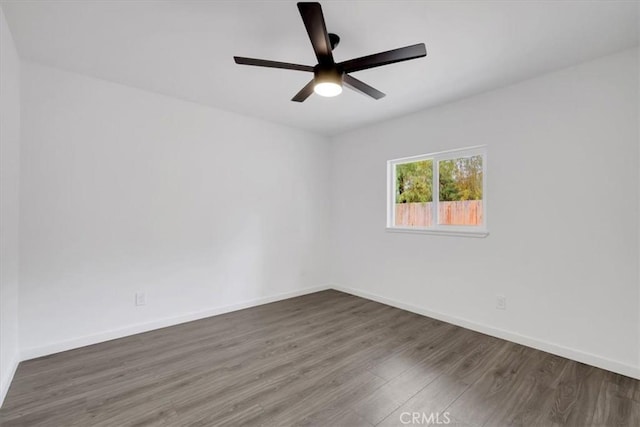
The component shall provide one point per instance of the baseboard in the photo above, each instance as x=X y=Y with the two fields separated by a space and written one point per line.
x=6 y=382
x=33 y=352
x=569 y=353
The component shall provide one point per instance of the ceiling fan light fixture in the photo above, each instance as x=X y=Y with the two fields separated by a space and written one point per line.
x=327 y=89
x=327 y=82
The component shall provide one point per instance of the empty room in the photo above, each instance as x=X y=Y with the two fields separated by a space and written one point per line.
x=345 y=213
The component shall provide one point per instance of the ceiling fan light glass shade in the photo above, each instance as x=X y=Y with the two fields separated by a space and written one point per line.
x=327 y=89
x=328 y=82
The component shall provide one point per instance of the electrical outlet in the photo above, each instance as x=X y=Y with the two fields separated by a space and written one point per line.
x=141 y=298
x=501 y=302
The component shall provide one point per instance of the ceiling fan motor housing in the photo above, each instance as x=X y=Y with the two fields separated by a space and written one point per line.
x=334 y=40
x=327 y=73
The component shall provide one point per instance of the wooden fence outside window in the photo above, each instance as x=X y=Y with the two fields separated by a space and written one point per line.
x=467 y=212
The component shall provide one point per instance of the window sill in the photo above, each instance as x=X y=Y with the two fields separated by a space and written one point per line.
x=439 y=232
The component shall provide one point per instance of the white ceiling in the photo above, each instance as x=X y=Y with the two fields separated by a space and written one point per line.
x=185 y=49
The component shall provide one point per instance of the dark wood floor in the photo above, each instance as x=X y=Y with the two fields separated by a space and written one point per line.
x=324 y=359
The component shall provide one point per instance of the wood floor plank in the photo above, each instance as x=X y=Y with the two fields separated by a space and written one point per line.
x=614 y=409
x=346 y=418
x=433 y=399
x=413 y=351
x=442 y=353
x=532 y=395
x=577 y=394
x=324 y=359
x=622 y=386
x=503 y=374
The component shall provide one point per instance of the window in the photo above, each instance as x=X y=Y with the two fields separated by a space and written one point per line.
x=439 y=193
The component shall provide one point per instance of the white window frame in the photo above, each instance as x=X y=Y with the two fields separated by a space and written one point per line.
x=436 y=228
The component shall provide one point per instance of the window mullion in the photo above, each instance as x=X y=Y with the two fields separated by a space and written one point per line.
x=435 y=192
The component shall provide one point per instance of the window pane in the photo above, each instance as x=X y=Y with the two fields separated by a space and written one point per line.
x=460 y=191
x=414 y=194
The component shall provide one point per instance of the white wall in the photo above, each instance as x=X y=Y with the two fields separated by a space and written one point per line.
x=9 y=204
x=124 y=190
x=563 y=214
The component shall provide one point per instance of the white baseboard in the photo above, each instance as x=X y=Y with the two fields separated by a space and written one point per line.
x=33 y=352
x=569 y=353
x=6 y=381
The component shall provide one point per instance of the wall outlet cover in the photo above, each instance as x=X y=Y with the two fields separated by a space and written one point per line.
x=141 y=298
x=501 y=302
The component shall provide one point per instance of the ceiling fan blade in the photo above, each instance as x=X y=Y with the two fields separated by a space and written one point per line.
x=271 y=64
x=384 y=58
x=304 y=93
x=314 y=23
x=359 y=86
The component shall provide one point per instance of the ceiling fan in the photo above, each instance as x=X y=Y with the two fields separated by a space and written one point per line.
x=329 y=77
